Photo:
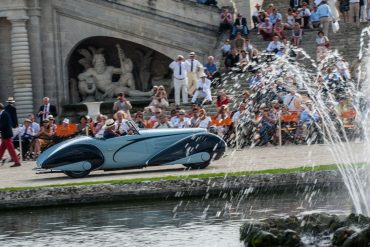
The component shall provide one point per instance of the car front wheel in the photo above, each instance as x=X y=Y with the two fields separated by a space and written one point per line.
x=77 y=174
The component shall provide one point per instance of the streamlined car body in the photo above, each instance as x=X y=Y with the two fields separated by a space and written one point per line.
x=77 y=157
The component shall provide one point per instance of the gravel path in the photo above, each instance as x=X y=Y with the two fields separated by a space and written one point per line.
x=260 y=158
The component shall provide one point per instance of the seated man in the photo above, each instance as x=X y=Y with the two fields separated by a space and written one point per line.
x=266 y=29
x=232 y=59
x=225 y=21
x=109 y=129
x=275 y=16
x=314 y=21
x=211 y=70
x=305 y=13
x=238 y=42
x=240 y=25
x=25 y=133
x=275 y=45
x=203 y=90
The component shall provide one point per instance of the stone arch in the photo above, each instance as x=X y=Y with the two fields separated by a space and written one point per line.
x=149 y=64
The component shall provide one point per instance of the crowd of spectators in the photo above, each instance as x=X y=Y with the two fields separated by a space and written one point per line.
x=271 y=111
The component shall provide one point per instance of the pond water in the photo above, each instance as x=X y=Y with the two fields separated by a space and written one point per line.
x=195 y=222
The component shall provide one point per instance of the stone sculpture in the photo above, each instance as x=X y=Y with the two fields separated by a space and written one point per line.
x=96 y=81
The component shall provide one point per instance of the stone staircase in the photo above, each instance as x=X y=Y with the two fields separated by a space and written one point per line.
x=346 y=40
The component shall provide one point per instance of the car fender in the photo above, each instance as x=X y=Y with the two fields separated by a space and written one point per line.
x=188 y=146
x=74 y=154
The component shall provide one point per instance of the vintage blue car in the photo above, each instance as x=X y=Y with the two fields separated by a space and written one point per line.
x=77 y=157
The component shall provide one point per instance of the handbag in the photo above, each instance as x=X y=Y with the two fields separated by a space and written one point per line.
x=335 y=26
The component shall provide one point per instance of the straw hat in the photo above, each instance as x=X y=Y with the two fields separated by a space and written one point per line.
x=10 y=100
x=109 y=123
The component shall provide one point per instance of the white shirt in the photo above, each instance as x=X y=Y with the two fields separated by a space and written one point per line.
x=196 y=65
x=36 y=127
x=274 y=45
x=236 y=117
x=22 y=130
x=204 y=123
x=182 y=124
x=177 y=72
x=206 y=88
x=290 y=20
x=121 y=127
x=305 y=12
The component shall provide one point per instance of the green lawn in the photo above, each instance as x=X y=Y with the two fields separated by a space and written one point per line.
x=186 y=177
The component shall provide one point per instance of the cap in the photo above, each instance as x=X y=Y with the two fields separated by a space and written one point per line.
x=202 y=75
x=109 y=123
x=28 y=120
x=50 y=117
x=192 y=53
x=180 y=57
x=66 y=120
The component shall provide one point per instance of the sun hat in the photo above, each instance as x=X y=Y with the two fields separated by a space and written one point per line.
x=10 y=100
x=109 y=123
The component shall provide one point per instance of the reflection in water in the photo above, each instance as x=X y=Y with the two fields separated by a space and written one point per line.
x=201 y=222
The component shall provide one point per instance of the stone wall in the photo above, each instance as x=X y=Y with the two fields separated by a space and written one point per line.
x=6 y=87
x=166 y=189
x=56 y=27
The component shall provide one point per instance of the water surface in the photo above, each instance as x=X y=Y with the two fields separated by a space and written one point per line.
x=197 y=222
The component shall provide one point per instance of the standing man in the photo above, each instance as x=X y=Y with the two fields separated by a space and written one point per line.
x=6 y=137
x=255 y=15
x=47 y=109
x=354 y=12
x=122 y=104
x=194 y=67
x=12 y=111
x=325 y=15
x=180 y=80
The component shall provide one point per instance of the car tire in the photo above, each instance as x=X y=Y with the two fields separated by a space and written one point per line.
x=76 y=174
x=197 y=166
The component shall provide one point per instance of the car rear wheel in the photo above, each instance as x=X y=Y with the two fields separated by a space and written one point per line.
x=77 y=174
x=197 y=166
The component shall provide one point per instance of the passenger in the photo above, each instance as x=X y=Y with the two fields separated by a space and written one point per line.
x=109 y=129
x=162 y=123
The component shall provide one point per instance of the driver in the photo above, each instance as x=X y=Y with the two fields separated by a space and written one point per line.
x=109 y=129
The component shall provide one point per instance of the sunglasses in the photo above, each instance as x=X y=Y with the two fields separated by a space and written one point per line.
x=157 y=113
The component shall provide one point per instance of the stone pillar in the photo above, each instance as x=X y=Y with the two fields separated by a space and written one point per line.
x=34 y=32
x=21 y=66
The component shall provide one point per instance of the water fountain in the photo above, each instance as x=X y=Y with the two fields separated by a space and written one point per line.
x=325 y=91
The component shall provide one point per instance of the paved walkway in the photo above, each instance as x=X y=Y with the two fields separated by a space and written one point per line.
x=260 y=158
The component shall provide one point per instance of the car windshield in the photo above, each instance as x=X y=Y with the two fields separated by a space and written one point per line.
x=132 y=125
